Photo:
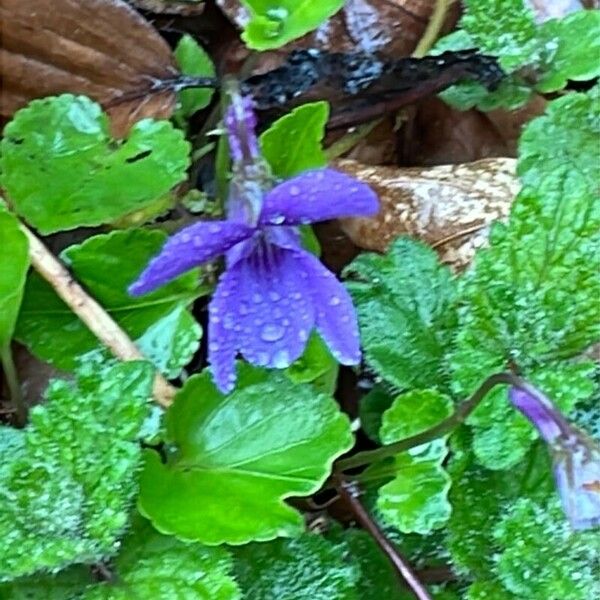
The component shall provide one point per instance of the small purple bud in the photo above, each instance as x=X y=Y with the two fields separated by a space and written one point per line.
x=576 y=457
x=240 y=122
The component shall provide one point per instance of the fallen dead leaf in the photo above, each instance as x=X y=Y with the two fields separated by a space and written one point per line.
x=101 y=48
x=449 y=207
x=392 y=27
x=553 y=9
x=170 y=7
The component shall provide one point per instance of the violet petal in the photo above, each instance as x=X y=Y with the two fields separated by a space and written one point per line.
x=577 y=476
x=317 y=195
x=270 y=312
x=335 y=315
x=222 y=329
x=189 y=248
x=539 y=411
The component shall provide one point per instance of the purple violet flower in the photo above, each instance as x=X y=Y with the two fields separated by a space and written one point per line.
x=272 y=293
x=576 y=457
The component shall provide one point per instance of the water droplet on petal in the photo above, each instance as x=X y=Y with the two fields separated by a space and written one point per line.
x=243 y=308
x=274 y=296
x=281 y=359
x=277 y=219
x=185 y=238
x=262 y=358
x=214 y=228
x=345 y=319
x=213 y=346
x=272 y=332
x=303 y=335
x=296 y=296
x=257 y=298
x=228 y=322
x=294 y=190
x=334 y=301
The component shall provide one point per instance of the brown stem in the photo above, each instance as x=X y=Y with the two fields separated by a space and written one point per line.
x=349 y=492
x=462 y=412
x=98 y=321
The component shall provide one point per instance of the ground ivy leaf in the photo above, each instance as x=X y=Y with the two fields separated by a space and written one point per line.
x=566 y=136
x=555 y=51
x=192 y=59
x=541 y=557
x=66 y=585
x=305 y=568
x=314 y=363
x=62 y=169
x=106 y=265
x=273 y=24
x=502 y=436
x=14 y=263
x=65 y=497
x=544 y=259
x=416 y=499
x=405 y=305
x=488 y=590
x=151 y=565
x=377 y=577
x=306 y=126
x=371 y=409
x=480 y=498
x=237 y=457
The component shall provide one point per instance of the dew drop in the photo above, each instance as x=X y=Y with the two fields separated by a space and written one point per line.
x=334 y=301
x=257 y=298
x=281 y=359
x=262 y=358
x=294 y=190
x=345 y=319
x=243 y=308
x=214 y=228
x=277 y=220
x=185 y=238
x=274 y=296
x=213 y=346
x=272 y=332
x=303 y=335
x=198 y=241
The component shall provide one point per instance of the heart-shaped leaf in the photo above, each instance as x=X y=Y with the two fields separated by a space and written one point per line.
x=237 y=457
x=107 y=264
x=62 y=169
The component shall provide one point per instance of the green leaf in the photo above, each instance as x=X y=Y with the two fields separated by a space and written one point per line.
x=371 y=409
x=151 y=565
x=540 y=557
x=237 y=457
x=488 y=590
x=405 y=305
x=106 y=265
x=545 y=258
x=305 y=568
x=62 y=169
x=274 y=23
x=535 y=57
x=480 y=498
x=575 y=43
x=378 y=580
x=314 y=363
x=294 y=142
x=66 y=585
x=66 y=495
x=193 y=60
x=416 y=499
x=14 y=263
x=565 y=137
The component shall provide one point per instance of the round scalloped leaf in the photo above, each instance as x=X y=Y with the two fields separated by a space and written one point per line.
x=237 y=457
x=62 y=169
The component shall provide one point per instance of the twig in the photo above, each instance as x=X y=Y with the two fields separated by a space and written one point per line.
x=462 y=412
x=432 y=32
x=349 y=492
x=12 y=382
x=98 y=321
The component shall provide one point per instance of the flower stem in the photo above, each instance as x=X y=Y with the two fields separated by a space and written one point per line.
x=12 y=380
x=462 y=412
x=349 y=492
x=436 y=22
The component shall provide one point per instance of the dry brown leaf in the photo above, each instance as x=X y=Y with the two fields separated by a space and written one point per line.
x=449 y=207
x=101 y=48
x=553 y=9
x=170 y=7
x=390 y=26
